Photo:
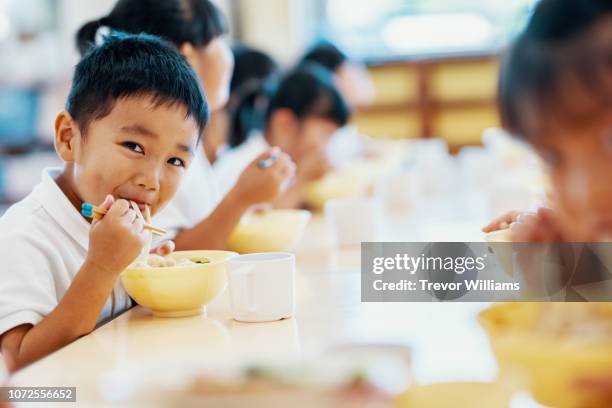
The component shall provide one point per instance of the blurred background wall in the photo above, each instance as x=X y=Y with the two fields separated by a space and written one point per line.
x=434 y=64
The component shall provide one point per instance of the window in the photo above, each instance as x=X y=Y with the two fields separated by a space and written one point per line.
x=395 y=28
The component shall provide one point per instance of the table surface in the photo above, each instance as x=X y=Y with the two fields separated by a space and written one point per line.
x=446 y=340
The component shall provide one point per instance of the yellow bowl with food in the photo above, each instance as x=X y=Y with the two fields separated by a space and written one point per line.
x=269 y=231
x=335 y=185
x=555 y=346
x=180 y=284
x=457 y=394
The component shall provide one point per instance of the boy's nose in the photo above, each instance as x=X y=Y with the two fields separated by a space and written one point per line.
x=149 y=178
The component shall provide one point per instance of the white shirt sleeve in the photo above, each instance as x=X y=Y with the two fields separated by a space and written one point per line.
x=27 y=287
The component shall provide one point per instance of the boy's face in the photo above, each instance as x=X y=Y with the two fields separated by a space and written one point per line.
x=138 y=152
x=579 y=157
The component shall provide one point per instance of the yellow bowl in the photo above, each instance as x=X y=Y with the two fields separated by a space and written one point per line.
x=550 y=365
x=180 y=290
x=457 y=394
x=499 y=236
x=331 y=187
x=269 y=231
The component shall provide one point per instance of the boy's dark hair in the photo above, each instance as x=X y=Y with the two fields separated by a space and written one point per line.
x=309 y=90
x=325 y=54
x=558 y=44
x=133 y=65
x=197 y=22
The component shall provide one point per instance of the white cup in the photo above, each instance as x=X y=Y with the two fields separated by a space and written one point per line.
x=351 y=221
x=262 y=286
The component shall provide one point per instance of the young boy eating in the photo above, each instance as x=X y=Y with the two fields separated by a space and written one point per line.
x=132 y=122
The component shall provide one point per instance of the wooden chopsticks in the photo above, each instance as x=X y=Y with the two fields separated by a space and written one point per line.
x=91 y=211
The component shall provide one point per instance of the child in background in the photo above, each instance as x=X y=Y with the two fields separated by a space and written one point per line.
x=355 y=85
x=555 y=92
x=303 y=111
x=351 y=76
x=199 y=217
x=231 y=126
x=127 y=134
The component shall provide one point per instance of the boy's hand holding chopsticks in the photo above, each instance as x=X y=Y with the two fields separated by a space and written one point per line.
x=91 y=211
x=116 y=238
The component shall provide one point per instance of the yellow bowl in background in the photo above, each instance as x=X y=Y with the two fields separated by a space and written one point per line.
x=551 y=366
x=269 y=231
x=354 y=180
x=333 y=186
x=180 y=290
x=457 y=394
x=499 y=236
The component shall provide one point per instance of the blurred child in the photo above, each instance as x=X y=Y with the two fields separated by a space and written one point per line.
x=355 y=85
x=232 y=125
x=199 y=216
x=303 y=111
x=127 y=134
x=555 y=92
x=350 y=75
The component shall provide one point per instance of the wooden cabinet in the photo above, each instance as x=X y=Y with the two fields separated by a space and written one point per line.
x=451 y=97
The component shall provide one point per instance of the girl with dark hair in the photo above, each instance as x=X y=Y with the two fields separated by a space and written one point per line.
x=199 y=215
x=303 y=111
x=350 y=75
x=232 y=125
x=555 y=92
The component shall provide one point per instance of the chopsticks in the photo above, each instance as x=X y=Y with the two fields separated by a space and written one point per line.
x=264 y=164
x=91 y=211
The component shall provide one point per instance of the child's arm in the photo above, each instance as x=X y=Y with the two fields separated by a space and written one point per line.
x=115 y=241
x=254 y=186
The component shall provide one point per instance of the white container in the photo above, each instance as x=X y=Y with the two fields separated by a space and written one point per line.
x=262 y=286
x=351 y=221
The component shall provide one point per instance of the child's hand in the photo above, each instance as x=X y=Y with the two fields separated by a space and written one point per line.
x=312 y=167
x=117 y=239
x=502 y=222
x=541 y=226
x=259 y=185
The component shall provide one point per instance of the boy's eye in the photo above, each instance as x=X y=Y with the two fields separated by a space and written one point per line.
x=175 y=161
x=134 y=146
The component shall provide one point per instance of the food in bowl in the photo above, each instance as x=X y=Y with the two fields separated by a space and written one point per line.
x=553 y=346
x=158 y=261
x=269 y=231
x=182 y=289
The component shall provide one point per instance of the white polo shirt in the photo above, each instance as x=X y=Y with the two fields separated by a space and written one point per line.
x=43 y=244
x=230 y=165
x=196 y=198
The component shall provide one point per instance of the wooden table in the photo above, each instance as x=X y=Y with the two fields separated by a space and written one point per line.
x=447 y=342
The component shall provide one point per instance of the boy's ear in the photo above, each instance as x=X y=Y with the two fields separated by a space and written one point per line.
x=67 y=135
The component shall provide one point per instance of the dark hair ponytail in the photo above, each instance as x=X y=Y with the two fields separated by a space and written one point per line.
x=86 y=36
x=196 y=22
x=253 y=74
x=247 y=109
